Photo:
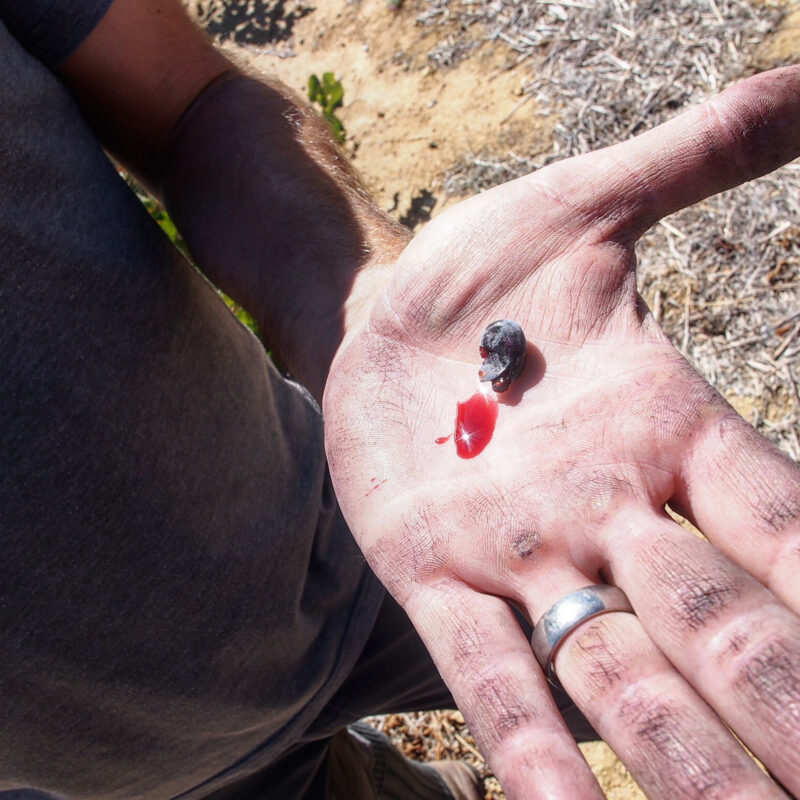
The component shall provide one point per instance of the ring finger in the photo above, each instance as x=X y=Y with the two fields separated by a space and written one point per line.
x=670 y=740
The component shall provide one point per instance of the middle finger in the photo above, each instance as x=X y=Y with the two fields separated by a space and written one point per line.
x=731 y=638
x=669 y=739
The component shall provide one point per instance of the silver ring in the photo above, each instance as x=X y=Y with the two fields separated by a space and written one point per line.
x=569 y=612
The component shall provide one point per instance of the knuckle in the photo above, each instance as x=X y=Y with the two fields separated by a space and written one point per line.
x=768 y=676
x=692 y=584
x=722 y=135
x=703 y=598
x=780 y=510
x=651 y=720
x=469 y=645
x=496 y=713
x=665 y=737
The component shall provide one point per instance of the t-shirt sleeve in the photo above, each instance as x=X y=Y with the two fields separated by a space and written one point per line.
x=52 y=29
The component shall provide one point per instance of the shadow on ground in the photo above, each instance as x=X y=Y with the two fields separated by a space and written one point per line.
x=253 y=22
x=419 y=211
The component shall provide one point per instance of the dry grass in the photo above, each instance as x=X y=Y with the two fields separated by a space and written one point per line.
x=435 y=735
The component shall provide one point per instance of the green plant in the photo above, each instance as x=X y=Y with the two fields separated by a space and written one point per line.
x=328 y=93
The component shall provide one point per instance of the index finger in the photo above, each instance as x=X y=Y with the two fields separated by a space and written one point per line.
x=746 y=131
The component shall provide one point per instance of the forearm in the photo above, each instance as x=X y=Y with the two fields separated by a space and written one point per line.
x=275 y=216
x=270 y=209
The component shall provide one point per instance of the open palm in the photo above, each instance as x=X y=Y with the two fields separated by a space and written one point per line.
x=605 y=425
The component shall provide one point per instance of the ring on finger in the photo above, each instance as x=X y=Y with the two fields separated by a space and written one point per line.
x=567 y=614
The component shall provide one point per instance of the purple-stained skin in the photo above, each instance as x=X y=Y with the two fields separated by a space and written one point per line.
x=503 y=350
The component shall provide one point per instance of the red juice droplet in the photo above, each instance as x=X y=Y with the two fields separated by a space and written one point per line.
x=475 y=421
x=443 y=439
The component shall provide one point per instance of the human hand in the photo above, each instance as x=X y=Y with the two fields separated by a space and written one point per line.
x=606 y=424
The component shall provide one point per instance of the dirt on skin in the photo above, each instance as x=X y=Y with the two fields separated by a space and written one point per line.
x=406 y=124
x=418 y=99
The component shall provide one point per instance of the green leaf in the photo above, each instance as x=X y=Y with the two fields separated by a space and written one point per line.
x=334 y=91
x=315 y=94
x=336 y=126
x=168 y=226
x=329 y=94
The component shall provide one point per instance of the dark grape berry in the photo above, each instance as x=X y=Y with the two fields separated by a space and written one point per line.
x=503 y=349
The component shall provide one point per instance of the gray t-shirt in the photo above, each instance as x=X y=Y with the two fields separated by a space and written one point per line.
x=180 y=595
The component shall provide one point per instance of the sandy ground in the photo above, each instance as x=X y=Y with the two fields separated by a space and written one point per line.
x=419 y=99
x=407 y=120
